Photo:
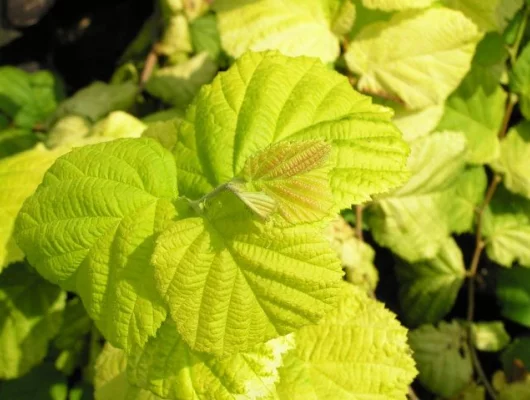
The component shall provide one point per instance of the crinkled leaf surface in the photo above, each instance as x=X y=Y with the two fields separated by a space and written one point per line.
x=476 y=108
x=514 y=161
x=415 y=220
x=489 y=336
x=513 y=292
x=296 y=176
x=169 y=368
x=358 y=351
x=506 y=225
x=178 y=84
x=393 y=5
x=30 y=316
x=110 y=380
x=442 y=356
x=19 y=177
x=428 y=288
x=259 y=25
x=231 y=282
x=489 y=15
x=266 y=98
x=43 y=382
x=419 y=57
x=99 y=238
x=520 y=80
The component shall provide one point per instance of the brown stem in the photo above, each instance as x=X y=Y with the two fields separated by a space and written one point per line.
x=412 y=395
x=480 y=371
x=149 y=66
x=359 y=222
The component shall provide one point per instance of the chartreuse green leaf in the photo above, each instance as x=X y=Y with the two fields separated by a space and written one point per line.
x=489 y=336
x=296 y=177
x=118 y=124
x=98 y=239
x=514 y=161
x=506 y=225
x=417 y=123
x=393 y=5
x=259 y=25
x=99 y=99
x=476 y=108
x=440 y=190
x=43 y=382
x=68 y=131
x=110 y=380
x=212 y=270
x=428 y=288
x=443 y=358
x=165 y=132
x=356 y=256
x=520 y=80
x=472 y=392
x=30 y=316
x=357 y=351
x=170 y=369
x=19 y=177
x=423 y=74
x=178 y=84
x=513 y=292
x=490 y=15
x=266 y=98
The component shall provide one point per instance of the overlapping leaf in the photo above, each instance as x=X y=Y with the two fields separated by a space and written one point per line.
x=259 y=25
x=98 y=239
x=266 y=98
x=359 y=350
x=490 y=15
x=476 y=108
x=232 y=282
x=19 y=177
x=170 y=369
x=428 y=288
x=440 y=197
x=110 y=380
x=507 y=228
x=419 y=57
x=443 y=357
x=514 y=161
x=296 y=177
x=177 y=85
x=30 y=316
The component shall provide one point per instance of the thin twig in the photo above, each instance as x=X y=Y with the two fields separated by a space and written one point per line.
x=150 y=62
x=359 y=222
x=480 y=371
